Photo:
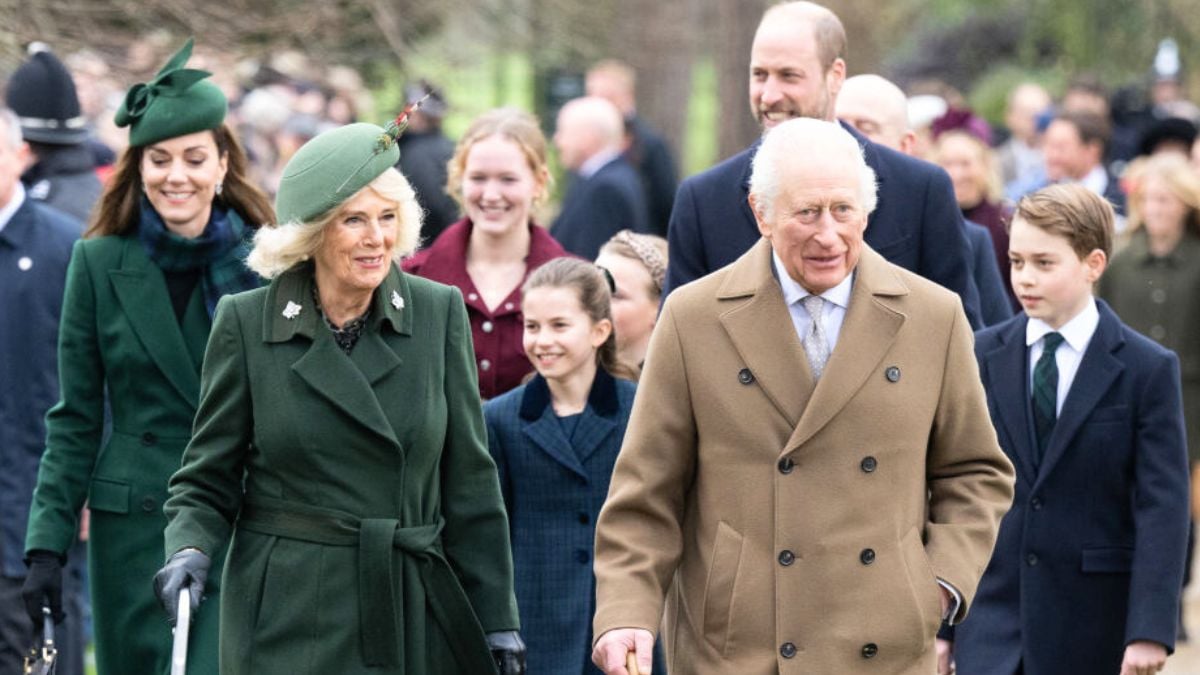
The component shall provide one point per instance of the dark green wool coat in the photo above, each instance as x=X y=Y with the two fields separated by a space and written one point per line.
x=118 y=331
x=371 y=536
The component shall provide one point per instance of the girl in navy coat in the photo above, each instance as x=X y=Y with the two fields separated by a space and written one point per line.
x=555 y=440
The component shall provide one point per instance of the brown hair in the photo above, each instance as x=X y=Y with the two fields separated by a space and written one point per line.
x=828 y=32
x=647 y=250
x=1091 y=127
x=1181 y=179
x=591 y=286
x=117 y=210
x=511 y=124
x=1073 y=212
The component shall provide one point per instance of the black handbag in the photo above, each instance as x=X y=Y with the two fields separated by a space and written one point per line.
x=43 y=658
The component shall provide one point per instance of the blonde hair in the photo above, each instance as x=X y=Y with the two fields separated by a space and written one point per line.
x=1180 y=177
x=279 y=249
x=511 y=124
x=645 y=249
x=993 y=187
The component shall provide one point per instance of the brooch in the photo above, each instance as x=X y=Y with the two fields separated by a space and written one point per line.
x=397 y=301
x=292 y=310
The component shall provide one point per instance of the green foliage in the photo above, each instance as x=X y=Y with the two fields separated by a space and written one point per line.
x=699 y=149
x=989 y=96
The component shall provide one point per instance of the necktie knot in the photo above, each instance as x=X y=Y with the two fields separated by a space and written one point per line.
x=813 y=304
x=1052 y=341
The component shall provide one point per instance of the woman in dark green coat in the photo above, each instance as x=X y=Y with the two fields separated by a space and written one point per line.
x=340 y=444
x=169 y=238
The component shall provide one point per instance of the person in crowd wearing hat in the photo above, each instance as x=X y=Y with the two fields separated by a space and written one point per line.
x=340 y=447
x=424 y=153
x=499 y=175
x=168 y=239
x=35 y=246
x=61 y=169
x=1170 y=134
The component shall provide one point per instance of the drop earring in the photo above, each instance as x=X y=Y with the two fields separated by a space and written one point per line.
x=220 y=188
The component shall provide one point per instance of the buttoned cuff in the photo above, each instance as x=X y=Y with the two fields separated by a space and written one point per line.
x=951 y=616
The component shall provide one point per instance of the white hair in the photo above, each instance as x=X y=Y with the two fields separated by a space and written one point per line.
x=814 y=140
x=12 y=128
x=280 y=248
x=599 y=116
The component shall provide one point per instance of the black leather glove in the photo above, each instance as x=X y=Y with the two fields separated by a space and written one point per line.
x=43 y=586
x=508 y=651
x=187 y=567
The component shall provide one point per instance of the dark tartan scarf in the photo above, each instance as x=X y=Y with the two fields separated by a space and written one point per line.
x=220 y=250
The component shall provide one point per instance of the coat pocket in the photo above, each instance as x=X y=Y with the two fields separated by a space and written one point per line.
x=719 y=588
x=108 y=495
x=924 y=582
x=1110 y=560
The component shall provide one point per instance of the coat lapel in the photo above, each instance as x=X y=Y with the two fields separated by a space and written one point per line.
x=141 y=291
x=1007 y=371
x=599 y=418
x=867 y=333
x=1097 y=372
x=762 y=332
x=540 y=426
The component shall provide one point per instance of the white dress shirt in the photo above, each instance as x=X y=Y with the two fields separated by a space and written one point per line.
x=1077 y=333
x=837 y=301
x=596 y=162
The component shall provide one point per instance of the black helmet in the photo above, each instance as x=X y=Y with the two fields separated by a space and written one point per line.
x=42 y=94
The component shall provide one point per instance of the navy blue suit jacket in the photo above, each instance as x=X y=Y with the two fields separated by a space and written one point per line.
x=597 y=207
x=1091 y=555
x=917 y=223
x=553 y=491
x=35 y=247
x=994 y=305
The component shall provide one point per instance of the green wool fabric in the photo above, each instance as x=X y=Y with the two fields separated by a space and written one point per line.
x=331 y=168
x=177 y=102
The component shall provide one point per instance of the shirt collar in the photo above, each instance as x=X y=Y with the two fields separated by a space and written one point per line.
x=1077 y=332
x=14 y=203
x=1096 y=180
x=793 y=292
x=597 y=162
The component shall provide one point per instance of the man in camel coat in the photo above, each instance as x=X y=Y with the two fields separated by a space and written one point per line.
x=800 y=496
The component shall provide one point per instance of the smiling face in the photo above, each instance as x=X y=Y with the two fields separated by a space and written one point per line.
x=963 y=159
x=357 y=245
x=1048 y=277
x=499 y=186
x=560 y=338
x=180 y=177
x=787 y=79
x=817 y=220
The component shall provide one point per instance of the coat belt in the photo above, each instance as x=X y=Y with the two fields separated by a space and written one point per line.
x=381 y=625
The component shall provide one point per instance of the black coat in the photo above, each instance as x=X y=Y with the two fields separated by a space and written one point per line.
x=597 y=207
x=64 y=177
x=649 y=154
x=916 y=224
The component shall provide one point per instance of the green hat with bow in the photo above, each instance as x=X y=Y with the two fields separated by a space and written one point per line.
x=177 y=102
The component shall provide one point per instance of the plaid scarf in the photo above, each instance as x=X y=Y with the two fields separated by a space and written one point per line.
x=220 y=250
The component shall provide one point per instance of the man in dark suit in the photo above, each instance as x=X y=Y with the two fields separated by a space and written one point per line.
x=1074 y=147
x=35 y=246
x=1086 y=572
x=605 y=193
x=796 y=70
x=645 y=149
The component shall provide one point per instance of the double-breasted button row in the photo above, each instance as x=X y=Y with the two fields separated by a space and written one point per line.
x=867 y=556
x=149 y=504
x=869 y=650
x=1031 y=559
x=584 y=518
x=868 y=464
x=1036 y=503
x=581 y=556
x=786 y=557
x=787 y=650
x=786 y=465
x=149 y=438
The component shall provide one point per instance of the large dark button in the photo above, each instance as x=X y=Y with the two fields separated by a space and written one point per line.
x=869 y=650
x=787 y=650
x=581 y=556
x=584 y=519
x=786 y=558
x=868 y=464
x=867 y=556
x=1036 y=503
x=1031 y=559
x=745 y=376
x=892 y=374
x=786 y=465
x=148 y=504
x=149 y=438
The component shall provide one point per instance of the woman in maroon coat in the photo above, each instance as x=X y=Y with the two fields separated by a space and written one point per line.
x=498 y=174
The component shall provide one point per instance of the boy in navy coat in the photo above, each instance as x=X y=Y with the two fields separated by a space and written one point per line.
x=1086 y=573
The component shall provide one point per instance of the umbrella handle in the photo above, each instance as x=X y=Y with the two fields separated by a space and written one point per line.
x=183 y=621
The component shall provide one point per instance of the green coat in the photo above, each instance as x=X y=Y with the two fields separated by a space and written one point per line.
x=118 y=330
x=371 y=532
x=1160 y=298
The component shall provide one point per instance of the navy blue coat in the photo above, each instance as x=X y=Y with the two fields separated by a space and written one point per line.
x=994 y=305
x=917 y=223
x=1091 y=555
x=597 y=207
x=35 y=247
x=553 y=492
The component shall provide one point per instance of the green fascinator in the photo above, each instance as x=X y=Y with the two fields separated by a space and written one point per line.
x=177 y=102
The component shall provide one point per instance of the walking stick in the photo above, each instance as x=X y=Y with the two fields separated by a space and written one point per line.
x=631 y=663
x=183 y=622
x=42 y=662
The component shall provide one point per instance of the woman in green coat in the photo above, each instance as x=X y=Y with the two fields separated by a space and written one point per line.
x=168 y=239
x=340 y=447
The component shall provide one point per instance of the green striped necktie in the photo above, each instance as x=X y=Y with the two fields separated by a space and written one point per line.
x=1045 y=392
